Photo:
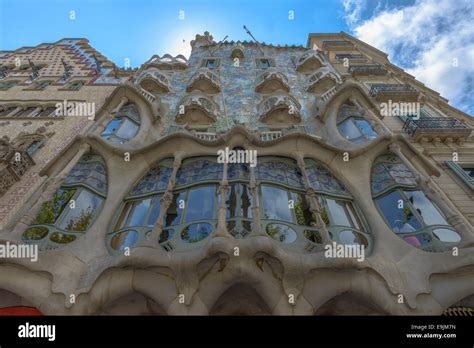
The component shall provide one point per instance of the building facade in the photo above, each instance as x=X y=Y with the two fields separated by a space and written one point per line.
x=248 y=179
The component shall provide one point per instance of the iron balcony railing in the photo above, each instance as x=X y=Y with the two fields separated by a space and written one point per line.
x=369 y=69
x=411 y=126
x=387 y=87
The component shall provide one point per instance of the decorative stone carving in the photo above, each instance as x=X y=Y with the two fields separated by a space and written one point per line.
x=14 y=162
x=204 y=80
x=271 y=80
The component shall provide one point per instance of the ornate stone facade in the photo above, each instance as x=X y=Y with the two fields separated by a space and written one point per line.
x=159 y=225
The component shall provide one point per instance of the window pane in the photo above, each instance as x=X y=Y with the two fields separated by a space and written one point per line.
x=231 y=202
x=111 y=127
x=127 y=130
x=80 y=218
x=424 y=207
x=139 y=213
x=338 y=213
x=275 y=203
x=124 y=216
x=401 y=220
x=245 y=201
x=469 y=171
x=174 y=212
x=304 y=216
x=349 y=130
x=200 y=204
x=365 y=127
x=155 y=212
x=281 y=233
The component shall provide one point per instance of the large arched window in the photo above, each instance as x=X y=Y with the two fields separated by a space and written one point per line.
x=141 y=208
x=353 y=126
x=73 y=208
x=285 y=210
x=406 y=209
x=124 y=126
x=338 y=210
x=192 y=214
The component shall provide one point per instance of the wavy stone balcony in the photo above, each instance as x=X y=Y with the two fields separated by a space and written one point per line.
x=367 y=69
x=323 y=80
x=395 y=92
x=442 y=128
x=154 y=81
x=168 y=62
x=279 y=110
x=197 y=109
x=272 y=80
x=204 y=80
x=310 y=61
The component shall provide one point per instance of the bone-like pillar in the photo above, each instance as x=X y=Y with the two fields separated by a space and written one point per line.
x=314 y=204
x=437 y=196
x=253 y=185
x=224 y=188
x=167 y=197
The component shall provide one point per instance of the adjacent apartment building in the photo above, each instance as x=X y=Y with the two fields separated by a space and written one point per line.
x=248 y=179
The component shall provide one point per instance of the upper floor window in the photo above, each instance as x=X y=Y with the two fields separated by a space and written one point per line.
x=73 y=208
x=264 y=63
x=211 y=63
x=354 y=127
x=406 y=209
x=124 y=126
x=75 y=85
x=465 y=171
x=5 y=85
x=41 y=85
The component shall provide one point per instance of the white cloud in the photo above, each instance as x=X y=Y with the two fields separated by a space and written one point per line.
x=428 y=39
x=353 y=10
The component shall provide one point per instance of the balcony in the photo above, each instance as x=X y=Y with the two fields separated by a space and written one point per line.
x=310 y=61
x=323 y=80
x=395 y=92
x=369 y=69
x=270 y=135
x=337 y=45
x=197 y=109
x=279 y=109
x=443 y=128
x=154 y=81
x=351 y=57
x=271 y=80
x=204 y=80
x=208 y=136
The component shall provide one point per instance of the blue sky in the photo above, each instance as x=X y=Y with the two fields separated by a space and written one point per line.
x=425 y=37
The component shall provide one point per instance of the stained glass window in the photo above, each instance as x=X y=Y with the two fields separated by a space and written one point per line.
x=192 y=171
x=407 y=211
x=321 y=180
x=281 y=171
x=156 y=180
x=74 y=207
x=389 y=171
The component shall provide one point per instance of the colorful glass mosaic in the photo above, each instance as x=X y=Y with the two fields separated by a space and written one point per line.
x=389 y=171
